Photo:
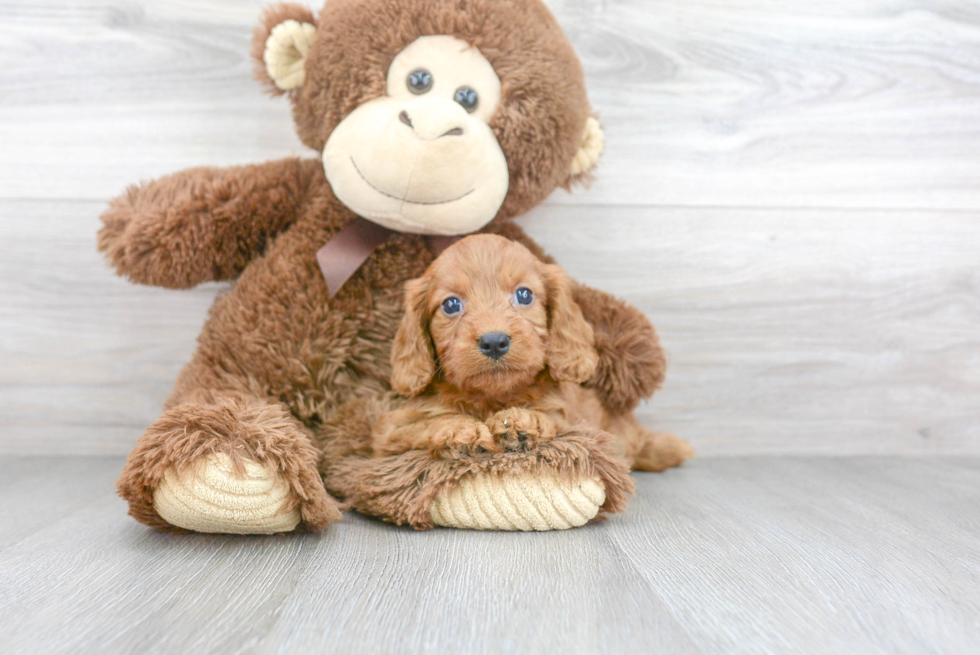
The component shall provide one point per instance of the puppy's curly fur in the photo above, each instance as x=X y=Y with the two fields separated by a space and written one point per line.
x=493 y=351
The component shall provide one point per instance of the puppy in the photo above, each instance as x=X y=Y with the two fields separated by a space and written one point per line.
x=492 y=353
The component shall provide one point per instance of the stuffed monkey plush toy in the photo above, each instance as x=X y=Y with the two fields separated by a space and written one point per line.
x=433 y=118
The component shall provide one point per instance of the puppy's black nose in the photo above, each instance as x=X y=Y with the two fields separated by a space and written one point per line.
x=494 y=344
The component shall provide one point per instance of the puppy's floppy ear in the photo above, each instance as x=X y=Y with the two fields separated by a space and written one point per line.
x=572 y=356
x=280 y=43
x=413 y=362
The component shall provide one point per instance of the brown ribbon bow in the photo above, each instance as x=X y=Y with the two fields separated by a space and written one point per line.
x=347 y=251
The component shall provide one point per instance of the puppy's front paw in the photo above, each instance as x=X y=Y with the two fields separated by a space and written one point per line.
x=463 y=438
x=517 y=428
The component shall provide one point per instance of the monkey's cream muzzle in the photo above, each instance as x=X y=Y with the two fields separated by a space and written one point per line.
x=416 y=160
x=423 y=166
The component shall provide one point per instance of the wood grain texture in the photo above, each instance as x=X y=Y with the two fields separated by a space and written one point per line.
x=734 y=555
x=774 y=103
x=790 y=330
x=805 y=331
x=796 y=331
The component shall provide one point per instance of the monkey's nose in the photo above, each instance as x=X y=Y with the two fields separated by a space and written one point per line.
x=432 y=125
x=494 y=344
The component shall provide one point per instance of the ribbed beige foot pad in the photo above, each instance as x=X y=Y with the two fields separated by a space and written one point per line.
x=518 y=502
x=208 y=496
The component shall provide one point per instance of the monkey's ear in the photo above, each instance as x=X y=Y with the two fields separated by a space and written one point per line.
x=413 y=361
x=588 y=152
x=280 y=43
x=572 y=356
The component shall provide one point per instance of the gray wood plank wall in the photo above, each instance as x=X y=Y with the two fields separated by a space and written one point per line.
x=791 y=190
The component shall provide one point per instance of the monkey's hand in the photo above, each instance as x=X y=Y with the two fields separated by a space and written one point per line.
x=204 y=224
x=631 y=362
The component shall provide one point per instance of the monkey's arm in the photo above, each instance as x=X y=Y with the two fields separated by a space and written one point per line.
x=204 y=224
x=631 y=362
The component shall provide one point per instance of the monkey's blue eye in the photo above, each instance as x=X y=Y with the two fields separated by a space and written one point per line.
x=419 y=81
x=524 y=296
x=452 y=306
x=467 y=98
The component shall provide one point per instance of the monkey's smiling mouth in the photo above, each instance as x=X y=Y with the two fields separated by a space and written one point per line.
x=412 y=202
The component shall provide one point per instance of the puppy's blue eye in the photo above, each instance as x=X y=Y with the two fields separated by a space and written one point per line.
x=524 y=296
x=451 y=306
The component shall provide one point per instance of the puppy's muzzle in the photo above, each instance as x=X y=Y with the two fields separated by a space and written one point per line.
x=494 y=344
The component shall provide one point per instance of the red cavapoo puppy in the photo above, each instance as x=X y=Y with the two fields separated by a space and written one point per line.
x=492 y=353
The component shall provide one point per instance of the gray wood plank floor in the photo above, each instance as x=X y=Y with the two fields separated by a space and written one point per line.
x=727 y=555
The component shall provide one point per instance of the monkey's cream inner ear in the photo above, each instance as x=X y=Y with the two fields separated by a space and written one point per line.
x=588 y=153
x=285 y=53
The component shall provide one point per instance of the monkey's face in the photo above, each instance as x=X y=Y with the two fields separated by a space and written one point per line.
x=433 y=116
x=422 y=158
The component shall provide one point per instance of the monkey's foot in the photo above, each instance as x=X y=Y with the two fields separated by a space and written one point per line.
x=208 y=495
x=226 y=467
x=518 y=502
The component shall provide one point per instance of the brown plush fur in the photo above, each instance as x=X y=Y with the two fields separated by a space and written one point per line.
x=204 y=224
x=472 y=402
x=276 y=339
x=632 y=364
